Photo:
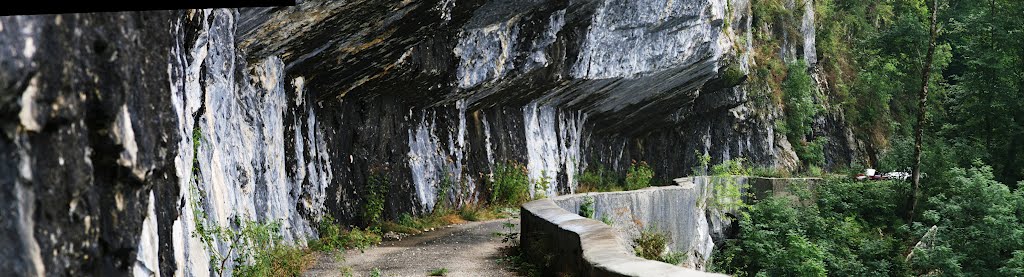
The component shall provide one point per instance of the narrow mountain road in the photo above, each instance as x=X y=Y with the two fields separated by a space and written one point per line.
x=470 y=249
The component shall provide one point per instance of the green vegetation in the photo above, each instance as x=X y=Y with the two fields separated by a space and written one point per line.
x=597 y=178
x=729 y=193
x=439 y=272
x=511 y=185
x=333 y=237
x=376 y=191
x=639 y=176
x=376 y=272
x=256 y=248
x=587 y=207
x=650 y=244
x=849 y=228
x=653 y=245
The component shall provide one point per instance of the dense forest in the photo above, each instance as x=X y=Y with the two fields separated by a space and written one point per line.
x=970 y=218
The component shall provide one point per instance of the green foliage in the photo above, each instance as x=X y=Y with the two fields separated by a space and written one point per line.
x=650 y=244
x=511 y=185
x=439 y=272
x=1014 y=266
x=732 y=75
x=673 y=257
x=639 y=176
x=728 y=191
x=542 y=185
x=376 y=189
x=977 y=217
x=333 y=237
x=279 y=260
x=587 y=207
x=850 y=231
x=606 y=220
x=376 y=272
x=703 y=163
x=798 y=96
x=597 y=178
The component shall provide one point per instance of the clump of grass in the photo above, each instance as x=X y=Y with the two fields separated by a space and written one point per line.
x=334 y=237
x=279 y=260
x=439 y=272
x=476 y=212
x=376 y=272
x=511 y=185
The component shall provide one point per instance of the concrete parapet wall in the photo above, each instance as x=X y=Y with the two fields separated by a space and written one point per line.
x=691 y=213
x=570 y=243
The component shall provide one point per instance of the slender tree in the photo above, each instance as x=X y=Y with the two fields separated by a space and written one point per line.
x=922 y=98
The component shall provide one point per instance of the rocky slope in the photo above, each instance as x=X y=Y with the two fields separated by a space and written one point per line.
x=122 y=131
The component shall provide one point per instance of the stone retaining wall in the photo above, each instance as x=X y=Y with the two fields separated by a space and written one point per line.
x=692 y=213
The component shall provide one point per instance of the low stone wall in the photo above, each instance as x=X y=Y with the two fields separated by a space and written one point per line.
x=693 y=213
x=570 y=243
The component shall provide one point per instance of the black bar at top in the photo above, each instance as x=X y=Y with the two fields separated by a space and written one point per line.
x=27 y=7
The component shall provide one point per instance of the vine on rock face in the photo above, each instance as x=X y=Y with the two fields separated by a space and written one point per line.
x=376 y=189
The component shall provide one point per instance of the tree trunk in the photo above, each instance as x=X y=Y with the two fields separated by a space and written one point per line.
x=921 y=105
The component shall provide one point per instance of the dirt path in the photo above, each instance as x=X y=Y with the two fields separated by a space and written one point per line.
x=469 y=249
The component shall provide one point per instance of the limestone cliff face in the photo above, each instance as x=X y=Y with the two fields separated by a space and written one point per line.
x=121 y=131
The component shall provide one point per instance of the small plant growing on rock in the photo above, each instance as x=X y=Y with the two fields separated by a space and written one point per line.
x=540 y=190
x=376 y=189
x=650 y=244
x=639 y=176
x=606 y=220
x=333 y=237
x=511 y=185
x=597 y=177
x=587 y=207
x=439 y=272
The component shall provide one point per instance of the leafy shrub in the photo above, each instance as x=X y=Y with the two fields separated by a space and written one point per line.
x=703 y=163
x=597 y=177
x=587 y=207
x=639 y=176
x=333 y=237
x=798 y=96
x=511 y=185
x=650 y=244
x=377 y=189
x=673 y=257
